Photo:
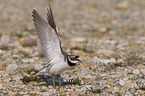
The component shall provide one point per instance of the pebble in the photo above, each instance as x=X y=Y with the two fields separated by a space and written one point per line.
x=62 y=91
x=38 y=67
x=102 y=29
x=78 y=39
x=139 y=66
x=79 y=52
x=12 y=69
x=142 y=71
x=1 y=85
x=122 y=5
x=27 y=42
x=5 y=38
x=24 y=66
x=27 y=60
x=27 y=51
x=128 y=94
x=33 y=83
x=17 y=77
x=130 y=84
x=122 y=82
x=136 y=71
x=4 y=46
x=106 y=61
x=92 y=6
x=116 y=89
x=104 y=53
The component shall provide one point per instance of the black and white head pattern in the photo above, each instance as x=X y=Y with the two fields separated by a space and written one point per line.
x=73 y=60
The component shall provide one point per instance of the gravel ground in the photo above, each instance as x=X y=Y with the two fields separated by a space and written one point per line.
x=109 y=35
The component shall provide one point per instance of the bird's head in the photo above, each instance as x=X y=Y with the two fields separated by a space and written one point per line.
x=73 y=60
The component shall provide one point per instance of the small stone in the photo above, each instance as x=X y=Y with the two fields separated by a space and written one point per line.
x=73 y=75
x=1 y=73
x=102 y=29
x=2 y=52
x=33 y=83
x=143 y=71
x=17 y=77
x=114 y=22
x=104 y=53
x=78 y=39
x=125 y=79
x=1 y=85
x=116 y=89
x=120 y=60
x=27 y=60
x=12 y=69
x=136 y=71
x=62 y=91
x=78 y=52
x=4 y=46
x=27 y=42
x=109 y=82
x=24 y=66
x=106 y=61
x=27 y=51
x=21 y=39
x=32 y=73
x=128 y=94
x=81 y=53
x=42 y=83
x=50 y=86
x=38 y=67
x=139 y=66
x=121 y=82
x=92 y=6
x=129 y=84
x=122 y=5
x=5 y=39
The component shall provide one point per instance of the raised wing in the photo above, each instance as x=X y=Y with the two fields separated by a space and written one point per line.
x=51 y=21
x=49 y=38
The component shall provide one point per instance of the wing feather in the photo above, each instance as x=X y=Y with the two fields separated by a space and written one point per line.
x=51 y=21
x=49 y=38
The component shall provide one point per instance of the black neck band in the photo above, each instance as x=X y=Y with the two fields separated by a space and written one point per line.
x=70 y=63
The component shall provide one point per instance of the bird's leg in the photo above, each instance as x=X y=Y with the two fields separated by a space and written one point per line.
x=53 y=80
x=59 y=81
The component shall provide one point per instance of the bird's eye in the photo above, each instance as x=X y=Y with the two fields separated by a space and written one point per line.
x=73 y=58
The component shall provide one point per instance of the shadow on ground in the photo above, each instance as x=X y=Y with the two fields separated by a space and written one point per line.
x=49 y=81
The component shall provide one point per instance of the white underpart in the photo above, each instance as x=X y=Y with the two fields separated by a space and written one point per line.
x=58 y=67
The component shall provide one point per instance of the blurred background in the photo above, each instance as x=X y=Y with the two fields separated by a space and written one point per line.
x=90 y=28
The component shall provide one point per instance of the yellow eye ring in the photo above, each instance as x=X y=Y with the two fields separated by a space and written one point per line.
x=73 y=58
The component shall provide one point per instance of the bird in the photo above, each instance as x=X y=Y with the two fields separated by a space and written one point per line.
x=56 y=59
